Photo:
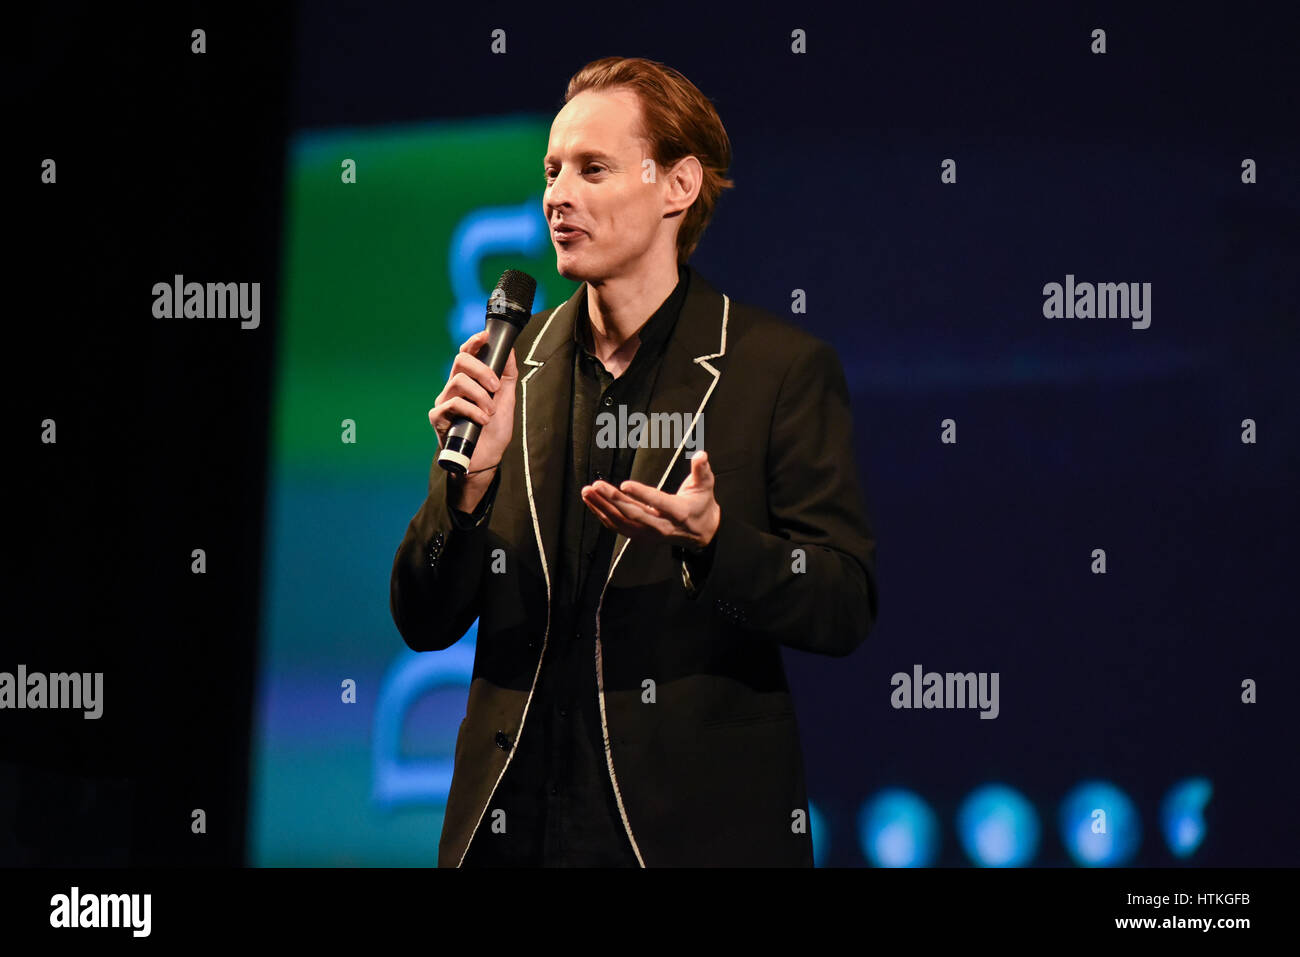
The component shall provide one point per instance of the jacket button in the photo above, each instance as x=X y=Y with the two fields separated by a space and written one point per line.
x=502 y=741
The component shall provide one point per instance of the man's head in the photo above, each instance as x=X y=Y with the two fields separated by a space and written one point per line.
x=636 y=162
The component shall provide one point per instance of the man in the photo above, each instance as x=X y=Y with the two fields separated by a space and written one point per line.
x=628 y=705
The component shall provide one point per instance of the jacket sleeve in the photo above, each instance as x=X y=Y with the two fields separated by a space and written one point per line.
x=810 y=583
x=438 y=569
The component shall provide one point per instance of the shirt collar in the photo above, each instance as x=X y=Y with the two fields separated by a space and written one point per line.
x=657 y=328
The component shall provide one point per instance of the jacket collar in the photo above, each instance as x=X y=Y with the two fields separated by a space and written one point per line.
x=685 y=381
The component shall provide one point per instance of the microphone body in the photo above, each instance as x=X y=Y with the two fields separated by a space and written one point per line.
x=509 y=308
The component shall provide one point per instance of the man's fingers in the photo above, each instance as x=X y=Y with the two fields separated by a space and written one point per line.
x=656 y=501
x=472 y=364
x=630 y=511
x=474 y=343
x=477 y=370
x=607 y=512
x=462 y=383
x=599 y=506
x=701 y=469
x=457 y=405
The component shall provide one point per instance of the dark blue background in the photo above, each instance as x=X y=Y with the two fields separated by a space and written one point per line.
x=1073 y=434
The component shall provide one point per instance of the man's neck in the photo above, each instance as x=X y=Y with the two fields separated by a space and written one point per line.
x=617 y=308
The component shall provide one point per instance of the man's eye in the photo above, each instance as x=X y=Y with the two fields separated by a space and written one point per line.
x=547 y=174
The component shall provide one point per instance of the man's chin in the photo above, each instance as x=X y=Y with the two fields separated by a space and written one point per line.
x=570 y=268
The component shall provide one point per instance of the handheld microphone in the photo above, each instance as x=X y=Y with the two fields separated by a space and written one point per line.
x=509 y=308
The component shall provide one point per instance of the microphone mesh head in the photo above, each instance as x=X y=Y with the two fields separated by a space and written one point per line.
x=519 y=288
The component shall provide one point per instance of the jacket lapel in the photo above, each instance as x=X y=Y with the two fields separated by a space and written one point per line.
x=547 y=387
x=686 y=379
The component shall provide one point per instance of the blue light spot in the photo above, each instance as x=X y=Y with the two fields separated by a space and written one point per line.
x=1099 y=825
x=820 y=836
x=1181 y=815
x=896 y=828
x=998 y=827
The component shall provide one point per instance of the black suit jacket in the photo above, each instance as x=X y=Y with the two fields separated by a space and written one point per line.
x=701 y=742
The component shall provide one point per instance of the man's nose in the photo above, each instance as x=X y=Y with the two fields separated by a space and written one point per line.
x=557 y=195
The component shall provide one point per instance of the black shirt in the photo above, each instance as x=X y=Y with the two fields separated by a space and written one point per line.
x=558 y=799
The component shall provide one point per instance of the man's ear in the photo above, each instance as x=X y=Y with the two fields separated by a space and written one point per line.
x=684 y=181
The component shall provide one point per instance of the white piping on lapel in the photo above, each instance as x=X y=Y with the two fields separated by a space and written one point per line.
x=600 y=673
x=537 y=530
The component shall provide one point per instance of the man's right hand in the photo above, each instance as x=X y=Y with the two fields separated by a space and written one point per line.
x=472 y=391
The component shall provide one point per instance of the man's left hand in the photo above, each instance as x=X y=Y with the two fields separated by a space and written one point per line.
x=642 y=512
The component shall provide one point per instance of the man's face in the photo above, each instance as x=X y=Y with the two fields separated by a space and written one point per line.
x=593 y=175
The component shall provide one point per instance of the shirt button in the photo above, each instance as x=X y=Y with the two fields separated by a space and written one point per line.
x=600 y=476
x=554 y=789
x=564 y=712
x=609 y=400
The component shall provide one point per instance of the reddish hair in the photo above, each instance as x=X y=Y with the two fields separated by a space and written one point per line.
x=677 y=121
